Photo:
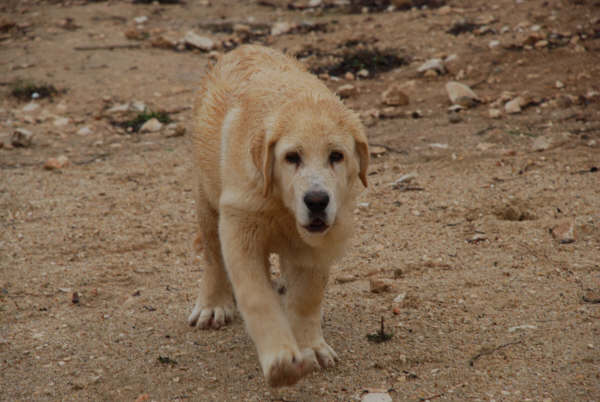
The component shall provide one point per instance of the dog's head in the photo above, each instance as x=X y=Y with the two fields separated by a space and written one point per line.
x=311 y=157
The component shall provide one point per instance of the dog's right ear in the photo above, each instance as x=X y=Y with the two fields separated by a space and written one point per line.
x=262 y=151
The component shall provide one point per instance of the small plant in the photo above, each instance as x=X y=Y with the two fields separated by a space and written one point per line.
x=26 y=90
x=380 y=336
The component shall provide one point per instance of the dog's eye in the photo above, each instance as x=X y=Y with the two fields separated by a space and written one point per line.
x=293 y=157
x=335 y=157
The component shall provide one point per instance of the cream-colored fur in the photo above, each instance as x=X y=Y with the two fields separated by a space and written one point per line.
x=268 y=135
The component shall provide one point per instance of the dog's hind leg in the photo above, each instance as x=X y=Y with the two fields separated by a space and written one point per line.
x=214 y=306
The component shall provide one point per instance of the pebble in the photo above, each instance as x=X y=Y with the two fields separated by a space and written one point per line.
x=30 y=107
x=436 y=65
x=364 y=73
x=175 y=130
x=495 y=113
x=347 y=91
x=280 y=28
x=461 y=94
x=200 y=42
x=493 y=44
x=540 y=144
x=140 y=19
x=61 y=121
x=394 y=96
x=559 y=84
x=21 y=137
x=118 y=108
x=454 y=117
x=376 y=397
x=513 y=106
x=85 y=130
x=520 y=327
x=400 y=298
x=349 y=76
x=344 y=279
x=564 y=232
x=151 y=126
x=391 y=113
x=376 y=150
x=57 y=163
x=380 y=285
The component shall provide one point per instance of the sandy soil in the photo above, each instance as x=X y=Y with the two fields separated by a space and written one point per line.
x=491 y=305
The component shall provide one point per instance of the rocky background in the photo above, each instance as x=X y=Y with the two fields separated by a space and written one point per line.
x=475 y=270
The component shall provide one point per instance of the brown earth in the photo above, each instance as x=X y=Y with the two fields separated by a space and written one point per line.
x=495 y=306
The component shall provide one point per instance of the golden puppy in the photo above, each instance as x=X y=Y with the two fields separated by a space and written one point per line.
x=278 y=164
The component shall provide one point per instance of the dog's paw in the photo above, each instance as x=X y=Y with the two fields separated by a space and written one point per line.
x=323 y=353
x=215 y=317
x=286 y=367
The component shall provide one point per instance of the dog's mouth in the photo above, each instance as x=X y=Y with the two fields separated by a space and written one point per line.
x=316 y=225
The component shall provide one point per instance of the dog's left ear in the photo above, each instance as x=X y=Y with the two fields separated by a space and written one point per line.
x=262 y=151
x=362 y=148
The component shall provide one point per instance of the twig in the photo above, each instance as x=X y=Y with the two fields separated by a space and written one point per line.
x=485 y=352
x=109 y=47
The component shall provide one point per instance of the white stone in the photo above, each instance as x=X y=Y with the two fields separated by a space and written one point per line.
x=280 y=28
x=461 y=94
x=151 y=126
x=432 y=64
x=495 y=113
x=85 y=130
x=347 y=91
x=61 y=121
x=200 y=42
x=140 y=19
x=513 y=106
x=376 y=397
x=119 y=108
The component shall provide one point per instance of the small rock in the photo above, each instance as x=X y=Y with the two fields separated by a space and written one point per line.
x=376 y=397
x=520 y=327
x=61 y=121
x=364 y=73
x=540 y=144
x=390 y=113
x=21 y=138
x=564 y=232
x=85 y=130
x=376 y=150
x=394 y=96
x=175 y=130
x=541 y=44
x=349 y=76
x=347 y=91
x=400 y=298
x=484 y=146
x=200 y=42
x=380 y=285
x=75 y=298
x=151 y=126
x=30 y=107
x=119 y=108
x=436 y=65
x=345 y=279
x=280 y=28
x=495 y=113
x=140 y=19
x=430 y=74
x=454 y=117
x=57 y=163
x=559 y=84
x=461 y=94
x=494 y=44
x=513 y=106
x=138 y=106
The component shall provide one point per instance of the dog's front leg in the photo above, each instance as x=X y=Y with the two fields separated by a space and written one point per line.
x=302 y=300
x=245 y=259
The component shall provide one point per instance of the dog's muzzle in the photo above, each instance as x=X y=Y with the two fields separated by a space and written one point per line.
x=316 y=202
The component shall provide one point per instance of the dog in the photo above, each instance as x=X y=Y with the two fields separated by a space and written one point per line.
x=279 y=161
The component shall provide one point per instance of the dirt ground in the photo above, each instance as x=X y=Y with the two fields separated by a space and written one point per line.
x=494 y=302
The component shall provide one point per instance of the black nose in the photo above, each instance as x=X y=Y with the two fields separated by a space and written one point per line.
x=316 y=201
